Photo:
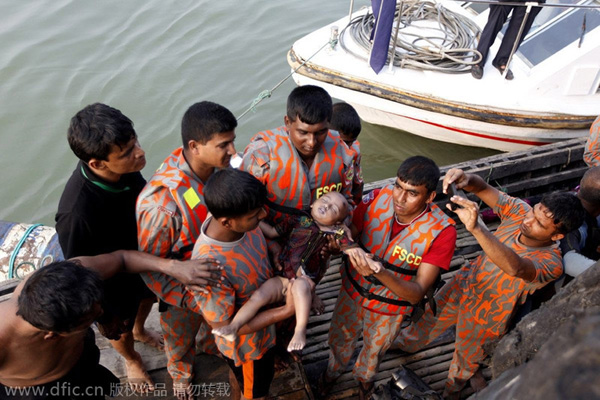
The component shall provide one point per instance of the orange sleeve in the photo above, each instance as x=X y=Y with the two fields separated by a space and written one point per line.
x=158 y=226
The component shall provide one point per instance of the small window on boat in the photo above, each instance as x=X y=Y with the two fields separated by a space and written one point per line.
x=477 y=8
x=557 y=27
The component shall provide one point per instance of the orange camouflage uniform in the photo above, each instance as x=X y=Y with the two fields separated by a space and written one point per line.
x=170 y=211
x=272 y=158
x=591 y=153
x=480 y=299
x=377 y=319
x=246 y=269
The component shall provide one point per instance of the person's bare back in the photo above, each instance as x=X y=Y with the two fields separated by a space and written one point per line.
x=27 y=355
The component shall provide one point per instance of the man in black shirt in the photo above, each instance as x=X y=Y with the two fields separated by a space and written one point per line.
x=96 y=215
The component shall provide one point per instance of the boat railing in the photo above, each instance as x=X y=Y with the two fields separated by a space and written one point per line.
x=450 y=57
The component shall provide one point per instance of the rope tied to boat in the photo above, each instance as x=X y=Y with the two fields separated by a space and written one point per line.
x=267 y=93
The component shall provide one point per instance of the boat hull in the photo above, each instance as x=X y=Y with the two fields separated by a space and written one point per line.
x=442 y=120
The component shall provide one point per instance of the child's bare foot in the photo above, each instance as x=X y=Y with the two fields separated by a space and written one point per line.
x=298 y=340
x=137 y=376
x=150 y=338
x=227 y=332
x=182 y=391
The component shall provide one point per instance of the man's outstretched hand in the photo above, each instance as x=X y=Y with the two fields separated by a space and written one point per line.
x=198 y=274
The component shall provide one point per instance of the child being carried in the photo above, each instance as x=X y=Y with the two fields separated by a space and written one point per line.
x=299 y=261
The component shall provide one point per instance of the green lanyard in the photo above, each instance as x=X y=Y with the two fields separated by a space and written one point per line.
x=104 y=186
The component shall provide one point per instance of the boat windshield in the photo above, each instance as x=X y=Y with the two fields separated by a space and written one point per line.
x=557 y=27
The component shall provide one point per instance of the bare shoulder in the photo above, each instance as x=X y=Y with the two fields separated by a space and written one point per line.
x=7 y=318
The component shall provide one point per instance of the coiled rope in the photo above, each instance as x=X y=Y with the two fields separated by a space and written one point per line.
x=449 y=48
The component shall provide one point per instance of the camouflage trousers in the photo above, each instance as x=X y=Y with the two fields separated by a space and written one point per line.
x=186 y=333
x=349 y=321
x=471 y=333
x=184 y=329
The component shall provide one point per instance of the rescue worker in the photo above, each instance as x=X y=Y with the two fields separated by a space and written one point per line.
x=519 y=258
x=231 y=237
x=411 y=240
x=170 y=211
x=346 y=121
x=303 y=160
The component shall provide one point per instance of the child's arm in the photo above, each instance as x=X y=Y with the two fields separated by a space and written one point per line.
x=275 y=251
x=268 y=230
x=341 y=240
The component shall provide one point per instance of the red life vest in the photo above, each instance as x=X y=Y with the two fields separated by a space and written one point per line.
x=288 y=183
x=404 y=252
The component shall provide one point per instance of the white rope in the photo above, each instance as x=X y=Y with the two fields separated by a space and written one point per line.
x=450 y=49
x=265 y=94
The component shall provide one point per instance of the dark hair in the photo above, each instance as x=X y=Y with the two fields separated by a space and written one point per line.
x=204 y=120
x=232 y=193
x=567 y=211
x=419 y=170
x=94 y=130
x=312 y=104
x=345 y=120
x=590 y=187
x=60 y=296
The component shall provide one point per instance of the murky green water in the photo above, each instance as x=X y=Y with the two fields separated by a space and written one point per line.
x=152 y=59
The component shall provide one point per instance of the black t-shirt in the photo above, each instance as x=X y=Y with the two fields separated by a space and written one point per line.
x=96 y=217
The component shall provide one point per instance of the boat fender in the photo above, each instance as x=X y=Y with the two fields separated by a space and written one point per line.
x=25 y=248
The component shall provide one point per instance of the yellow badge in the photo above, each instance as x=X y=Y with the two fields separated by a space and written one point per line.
x=191 y=198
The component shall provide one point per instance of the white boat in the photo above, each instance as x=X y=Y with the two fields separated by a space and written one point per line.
x=554 y=95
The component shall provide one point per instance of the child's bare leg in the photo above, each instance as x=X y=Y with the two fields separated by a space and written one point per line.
x=269 y=292
x=302 y=292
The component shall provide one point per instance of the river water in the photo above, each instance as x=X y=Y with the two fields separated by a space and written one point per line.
x=152 y=59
